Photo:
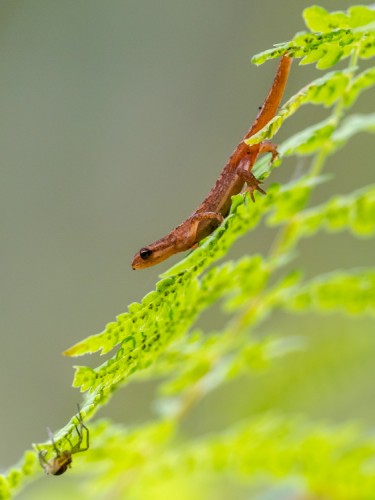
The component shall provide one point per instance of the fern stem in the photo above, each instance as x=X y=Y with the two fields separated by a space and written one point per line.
x=279 y=245
x=318 y=162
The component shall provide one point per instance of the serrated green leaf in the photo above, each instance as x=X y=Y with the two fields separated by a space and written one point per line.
x=319 y=19
x=360 y=83
x=310 y=139
x=336 y=35
x=351 y=126
x=350 y=292
x=325 y=90
x=316 y=18
x=361 y=15
x=354 y=212
x=153 y=337
x=330 y=57
x=313 y=56
x=267 y=449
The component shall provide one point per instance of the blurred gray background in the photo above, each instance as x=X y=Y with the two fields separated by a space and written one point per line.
x=116 y=117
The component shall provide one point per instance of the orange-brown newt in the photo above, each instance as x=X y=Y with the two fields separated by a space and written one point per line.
x=237 y=172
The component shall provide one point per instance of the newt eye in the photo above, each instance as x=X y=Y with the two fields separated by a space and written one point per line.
x=145 y=253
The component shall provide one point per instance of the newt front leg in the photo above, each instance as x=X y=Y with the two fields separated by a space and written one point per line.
x=245 y=166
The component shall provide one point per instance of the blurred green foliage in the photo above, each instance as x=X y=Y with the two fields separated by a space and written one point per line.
x=155 y=338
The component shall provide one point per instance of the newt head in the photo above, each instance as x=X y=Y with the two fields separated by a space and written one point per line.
x=154 y=253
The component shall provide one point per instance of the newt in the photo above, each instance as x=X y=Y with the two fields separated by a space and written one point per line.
x=235 y=174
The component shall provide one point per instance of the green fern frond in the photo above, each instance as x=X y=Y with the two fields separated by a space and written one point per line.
x=325 y=90
x=359 y=84
x=27 y=469
x=332 y=461
x=354 y=212
x=350 y=292
x=156 y=338
x=132 y=328
x=325 y=135
x=334 y=37
x=352 y=125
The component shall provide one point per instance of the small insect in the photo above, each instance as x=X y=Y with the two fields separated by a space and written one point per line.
x=62 y=460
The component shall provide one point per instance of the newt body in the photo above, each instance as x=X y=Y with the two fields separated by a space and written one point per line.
x=235 y=174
